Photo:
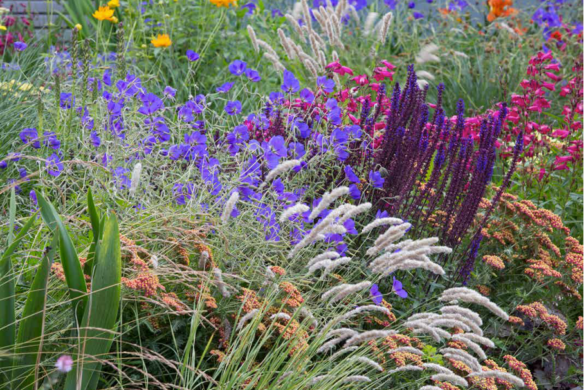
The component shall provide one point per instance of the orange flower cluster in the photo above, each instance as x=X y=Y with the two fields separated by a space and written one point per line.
x=446 y=386
x=278 y=270
x=580 y=323
x=516 y=320
x=249 y=299
x=500 y=9
x=483 y=290
x=370 y=319
x=537 y=310
x=491 y=365
x=521 y=369
x=171 y=300
x=494 y=262
x=293 y=296
x=220 y=355
x=145 y=280
x=556 y=344
x=403 y=358
x=542 y=258
x=184 y=254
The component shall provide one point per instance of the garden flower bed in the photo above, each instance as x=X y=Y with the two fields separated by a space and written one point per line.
x=277 y=195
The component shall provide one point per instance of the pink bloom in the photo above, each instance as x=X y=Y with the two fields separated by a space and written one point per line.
x=333 y=65
x=374 y=86
x=553 y=76
x=541 y=174
x=549 y=86
x=343 y=70
x=560 y=133
x=64 y=363
x=353 y=119
x=554 y=67
x=361 y=79
x=388 y=65
x=381 y=73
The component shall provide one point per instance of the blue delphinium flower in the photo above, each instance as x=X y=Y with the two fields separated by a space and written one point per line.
x=66 y=100
x=376 y=295
x=274 y=151
x=290 y=83
x=30 y=136
x=225 y=87
x=20 y=46
x=376 y=179
x=237 y=138
x=398 y=288
x=50 y=140
x=355 y=192
x=237 y=67
x=192 y=56
x=233 y=107
x=150 y=104
x=252 y=75
x=351 y=176
x=169 y=92
x=276 y=97
x=307 y=95
x=54 y=165
x=326 y=84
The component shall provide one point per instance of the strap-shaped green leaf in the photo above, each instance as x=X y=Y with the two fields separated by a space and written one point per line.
x=7 y=307
x=30 y=331
x=71 y=265
x=99 y=321
x=95 y=226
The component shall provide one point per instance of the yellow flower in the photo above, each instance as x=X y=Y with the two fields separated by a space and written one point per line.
x=113 y=3
x=78 y=27
x=223 y=3
x=3 y=28
x=104 y=13
x=114 y=19
x=163 y=40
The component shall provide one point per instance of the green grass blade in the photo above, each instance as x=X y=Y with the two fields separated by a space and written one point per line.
x=99 y=320
x=30 y=332
x=95 y=226
x=7 y=303
x=71 y=265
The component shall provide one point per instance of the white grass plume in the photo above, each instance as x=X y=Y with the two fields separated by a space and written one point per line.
x=282 y=168
x=327 y=199
x=135 y=178
x=499 y=375
x=229 y=206
x=246 y=318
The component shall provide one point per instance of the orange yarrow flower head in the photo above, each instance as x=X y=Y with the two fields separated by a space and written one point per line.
x=163 y=40
x=104 y=13
x=223 y=3
x=500 y=9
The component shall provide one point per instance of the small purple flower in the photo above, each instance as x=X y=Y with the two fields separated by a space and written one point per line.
x=54 y=165
x=64 y=363
x=351 y=176
x=169 y=92
x=376 y=179
x=307 y=95
x=33 y=197
x=150 y=104
x=192 y=56
x=20 y=46
x=225 y=87
x=376 y=295
x=30 y=135
x=327 y=85
x=418 y=15
x=237 y=67
x=276 y=97
x=237 y=138
x=233 y=107
x=277 y=12
x=398 y=288
x=253 y=75
x=66 y=100
x=50 y=140
x=355 y=192
x=290 y=83
x=411 y=5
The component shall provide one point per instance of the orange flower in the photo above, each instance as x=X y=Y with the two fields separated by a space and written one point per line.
x=104 y=13
x=500 y=8
x=163 y=40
